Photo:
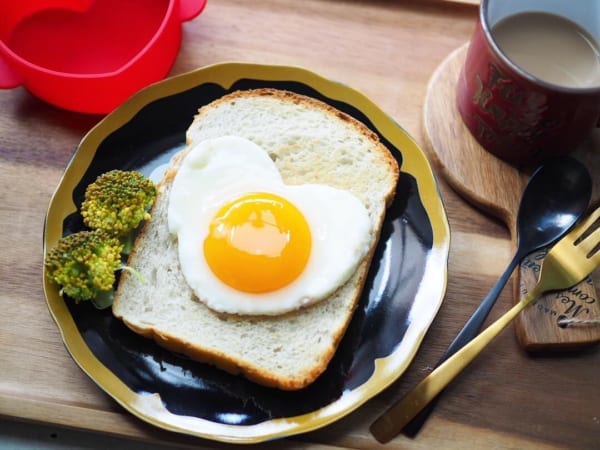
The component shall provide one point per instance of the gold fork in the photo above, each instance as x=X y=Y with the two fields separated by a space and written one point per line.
x=572 y=259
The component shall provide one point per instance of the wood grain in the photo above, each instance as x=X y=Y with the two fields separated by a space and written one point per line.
x=388 y=50
x=496 y=187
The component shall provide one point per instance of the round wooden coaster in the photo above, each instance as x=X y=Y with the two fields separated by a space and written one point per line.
x=496 y=186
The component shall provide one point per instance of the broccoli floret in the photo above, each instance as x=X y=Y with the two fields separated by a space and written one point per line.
x=118 y=201
x=83 y=264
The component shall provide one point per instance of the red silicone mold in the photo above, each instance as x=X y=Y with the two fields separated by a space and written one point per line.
x=89 y=55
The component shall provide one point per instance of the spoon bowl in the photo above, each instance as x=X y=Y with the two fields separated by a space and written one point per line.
x=556 y=196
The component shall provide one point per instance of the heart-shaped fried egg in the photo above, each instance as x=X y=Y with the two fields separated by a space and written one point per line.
x=250 y=244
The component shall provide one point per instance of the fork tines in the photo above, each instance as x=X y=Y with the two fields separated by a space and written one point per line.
x=589 y=239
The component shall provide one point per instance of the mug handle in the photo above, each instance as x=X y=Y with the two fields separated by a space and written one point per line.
x=8 y=77
x=188 y=9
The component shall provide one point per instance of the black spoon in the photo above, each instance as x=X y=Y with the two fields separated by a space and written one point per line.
x=556 y=196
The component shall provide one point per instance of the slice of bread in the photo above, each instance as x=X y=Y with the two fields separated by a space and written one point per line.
x=310 y=142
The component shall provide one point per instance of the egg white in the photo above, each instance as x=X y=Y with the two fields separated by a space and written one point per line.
x=216 y=171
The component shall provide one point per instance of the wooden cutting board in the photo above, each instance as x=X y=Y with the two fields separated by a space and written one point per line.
x=496 y=187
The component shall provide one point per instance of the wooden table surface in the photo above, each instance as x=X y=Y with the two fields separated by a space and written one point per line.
x=388 y=50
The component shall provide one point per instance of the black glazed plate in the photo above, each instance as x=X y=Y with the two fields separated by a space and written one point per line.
x=404 y=290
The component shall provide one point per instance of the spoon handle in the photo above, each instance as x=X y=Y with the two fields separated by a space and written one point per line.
x=466 y=334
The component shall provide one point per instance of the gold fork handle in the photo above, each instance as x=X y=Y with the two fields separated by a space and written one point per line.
x=394 y=419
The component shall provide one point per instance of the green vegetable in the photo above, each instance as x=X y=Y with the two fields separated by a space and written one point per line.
x=84 y=265
x=118 y=201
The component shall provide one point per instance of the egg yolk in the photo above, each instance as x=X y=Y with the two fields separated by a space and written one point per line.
x=258 y=243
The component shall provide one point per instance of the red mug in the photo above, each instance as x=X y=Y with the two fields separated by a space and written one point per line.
x=514 y=114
